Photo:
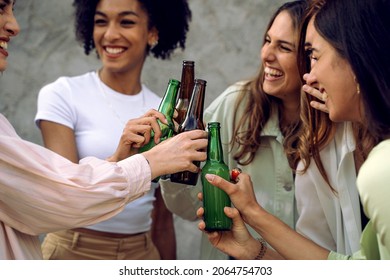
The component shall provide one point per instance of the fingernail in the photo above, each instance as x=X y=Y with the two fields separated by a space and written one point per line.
x=305 y=88
x=210 y=177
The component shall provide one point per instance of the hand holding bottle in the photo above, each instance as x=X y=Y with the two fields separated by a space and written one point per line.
x=178 y=153
x=167 y=107
x=237 y=242
x=241 y=194
x=137 y=133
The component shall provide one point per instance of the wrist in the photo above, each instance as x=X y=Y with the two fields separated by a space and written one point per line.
x=253 y=214
x=262 y=249
x=154 y=166
x=112 y=159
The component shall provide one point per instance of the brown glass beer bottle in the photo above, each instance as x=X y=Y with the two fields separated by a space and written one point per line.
x=186 y=88
x=193 y=120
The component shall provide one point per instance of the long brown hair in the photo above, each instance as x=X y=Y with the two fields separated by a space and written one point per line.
x=260 y=106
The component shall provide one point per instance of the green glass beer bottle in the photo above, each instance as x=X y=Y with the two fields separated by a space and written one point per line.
x=193 y=120
x=215 y=199
x=167 y=107
x=186 y=88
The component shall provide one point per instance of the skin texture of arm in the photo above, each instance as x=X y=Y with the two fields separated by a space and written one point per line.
x=60 y=139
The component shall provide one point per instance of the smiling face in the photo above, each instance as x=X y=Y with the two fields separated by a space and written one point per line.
x=8 y=28
x=332 y=74
x=279 y=58
x=121 y=35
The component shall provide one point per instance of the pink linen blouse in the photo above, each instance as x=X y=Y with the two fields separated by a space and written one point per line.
x=41 y=192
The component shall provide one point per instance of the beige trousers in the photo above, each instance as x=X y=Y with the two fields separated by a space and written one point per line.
x=73 y=245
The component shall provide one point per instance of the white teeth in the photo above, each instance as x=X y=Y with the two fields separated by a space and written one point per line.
x=114 y=50
x=273 y=72
x=3 y=45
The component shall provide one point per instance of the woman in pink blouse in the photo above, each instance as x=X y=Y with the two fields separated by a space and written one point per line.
x=41 y=191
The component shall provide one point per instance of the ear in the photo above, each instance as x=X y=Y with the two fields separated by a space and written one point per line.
x=153 y=37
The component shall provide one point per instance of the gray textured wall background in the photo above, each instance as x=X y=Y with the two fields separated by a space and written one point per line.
x=224 y=40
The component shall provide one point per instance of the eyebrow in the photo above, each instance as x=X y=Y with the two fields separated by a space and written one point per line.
x=281 y=41
x=125 y=13
x=309 y=45
x=286 y=42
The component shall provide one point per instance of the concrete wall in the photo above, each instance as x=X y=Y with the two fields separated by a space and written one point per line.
x=224 y=40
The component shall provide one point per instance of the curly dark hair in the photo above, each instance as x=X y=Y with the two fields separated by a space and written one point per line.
x=170 y=17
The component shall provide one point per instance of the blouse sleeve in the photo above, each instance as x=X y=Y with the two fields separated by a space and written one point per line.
x=41 y=191
x=373 y=184
x=374 y=191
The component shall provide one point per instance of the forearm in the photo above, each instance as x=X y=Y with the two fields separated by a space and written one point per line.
x=45 y=192
x=286 y=241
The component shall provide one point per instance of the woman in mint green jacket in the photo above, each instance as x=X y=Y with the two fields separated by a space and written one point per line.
x=259 y=119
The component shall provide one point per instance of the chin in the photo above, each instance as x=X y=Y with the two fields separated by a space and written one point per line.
x=3 y=65
x=336 y=117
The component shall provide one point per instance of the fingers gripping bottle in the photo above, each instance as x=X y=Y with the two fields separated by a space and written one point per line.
x=215 y=199
x=167 y=107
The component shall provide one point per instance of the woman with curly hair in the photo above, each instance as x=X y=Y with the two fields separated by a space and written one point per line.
x=85 y=116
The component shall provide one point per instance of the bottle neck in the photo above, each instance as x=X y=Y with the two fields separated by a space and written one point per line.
x=167 y=105
x=214 y=147
x=187 y=80
x=197 y=101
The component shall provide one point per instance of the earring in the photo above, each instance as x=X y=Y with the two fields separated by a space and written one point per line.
x=357 y=86
x=154 y=44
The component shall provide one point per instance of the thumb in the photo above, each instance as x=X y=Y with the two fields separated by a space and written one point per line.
x=235 y=216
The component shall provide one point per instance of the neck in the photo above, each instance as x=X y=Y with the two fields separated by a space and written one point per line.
x=289 y=114
x=128 y=83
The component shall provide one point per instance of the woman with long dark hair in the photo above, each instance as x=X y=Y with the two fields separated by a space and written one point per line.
x=348 y=42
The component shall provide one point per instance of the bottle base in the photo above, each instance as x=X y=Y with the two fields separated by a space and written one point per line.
x=211 y=229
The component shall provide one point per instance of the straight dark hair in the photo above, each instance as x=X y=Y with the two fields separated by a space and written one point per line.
x=362 y=38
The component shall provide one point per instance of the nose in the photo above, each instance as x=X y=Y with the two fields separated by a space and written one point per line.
x=111 y=32
x=311 y=79
x=11 y=25
x=267 y=52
